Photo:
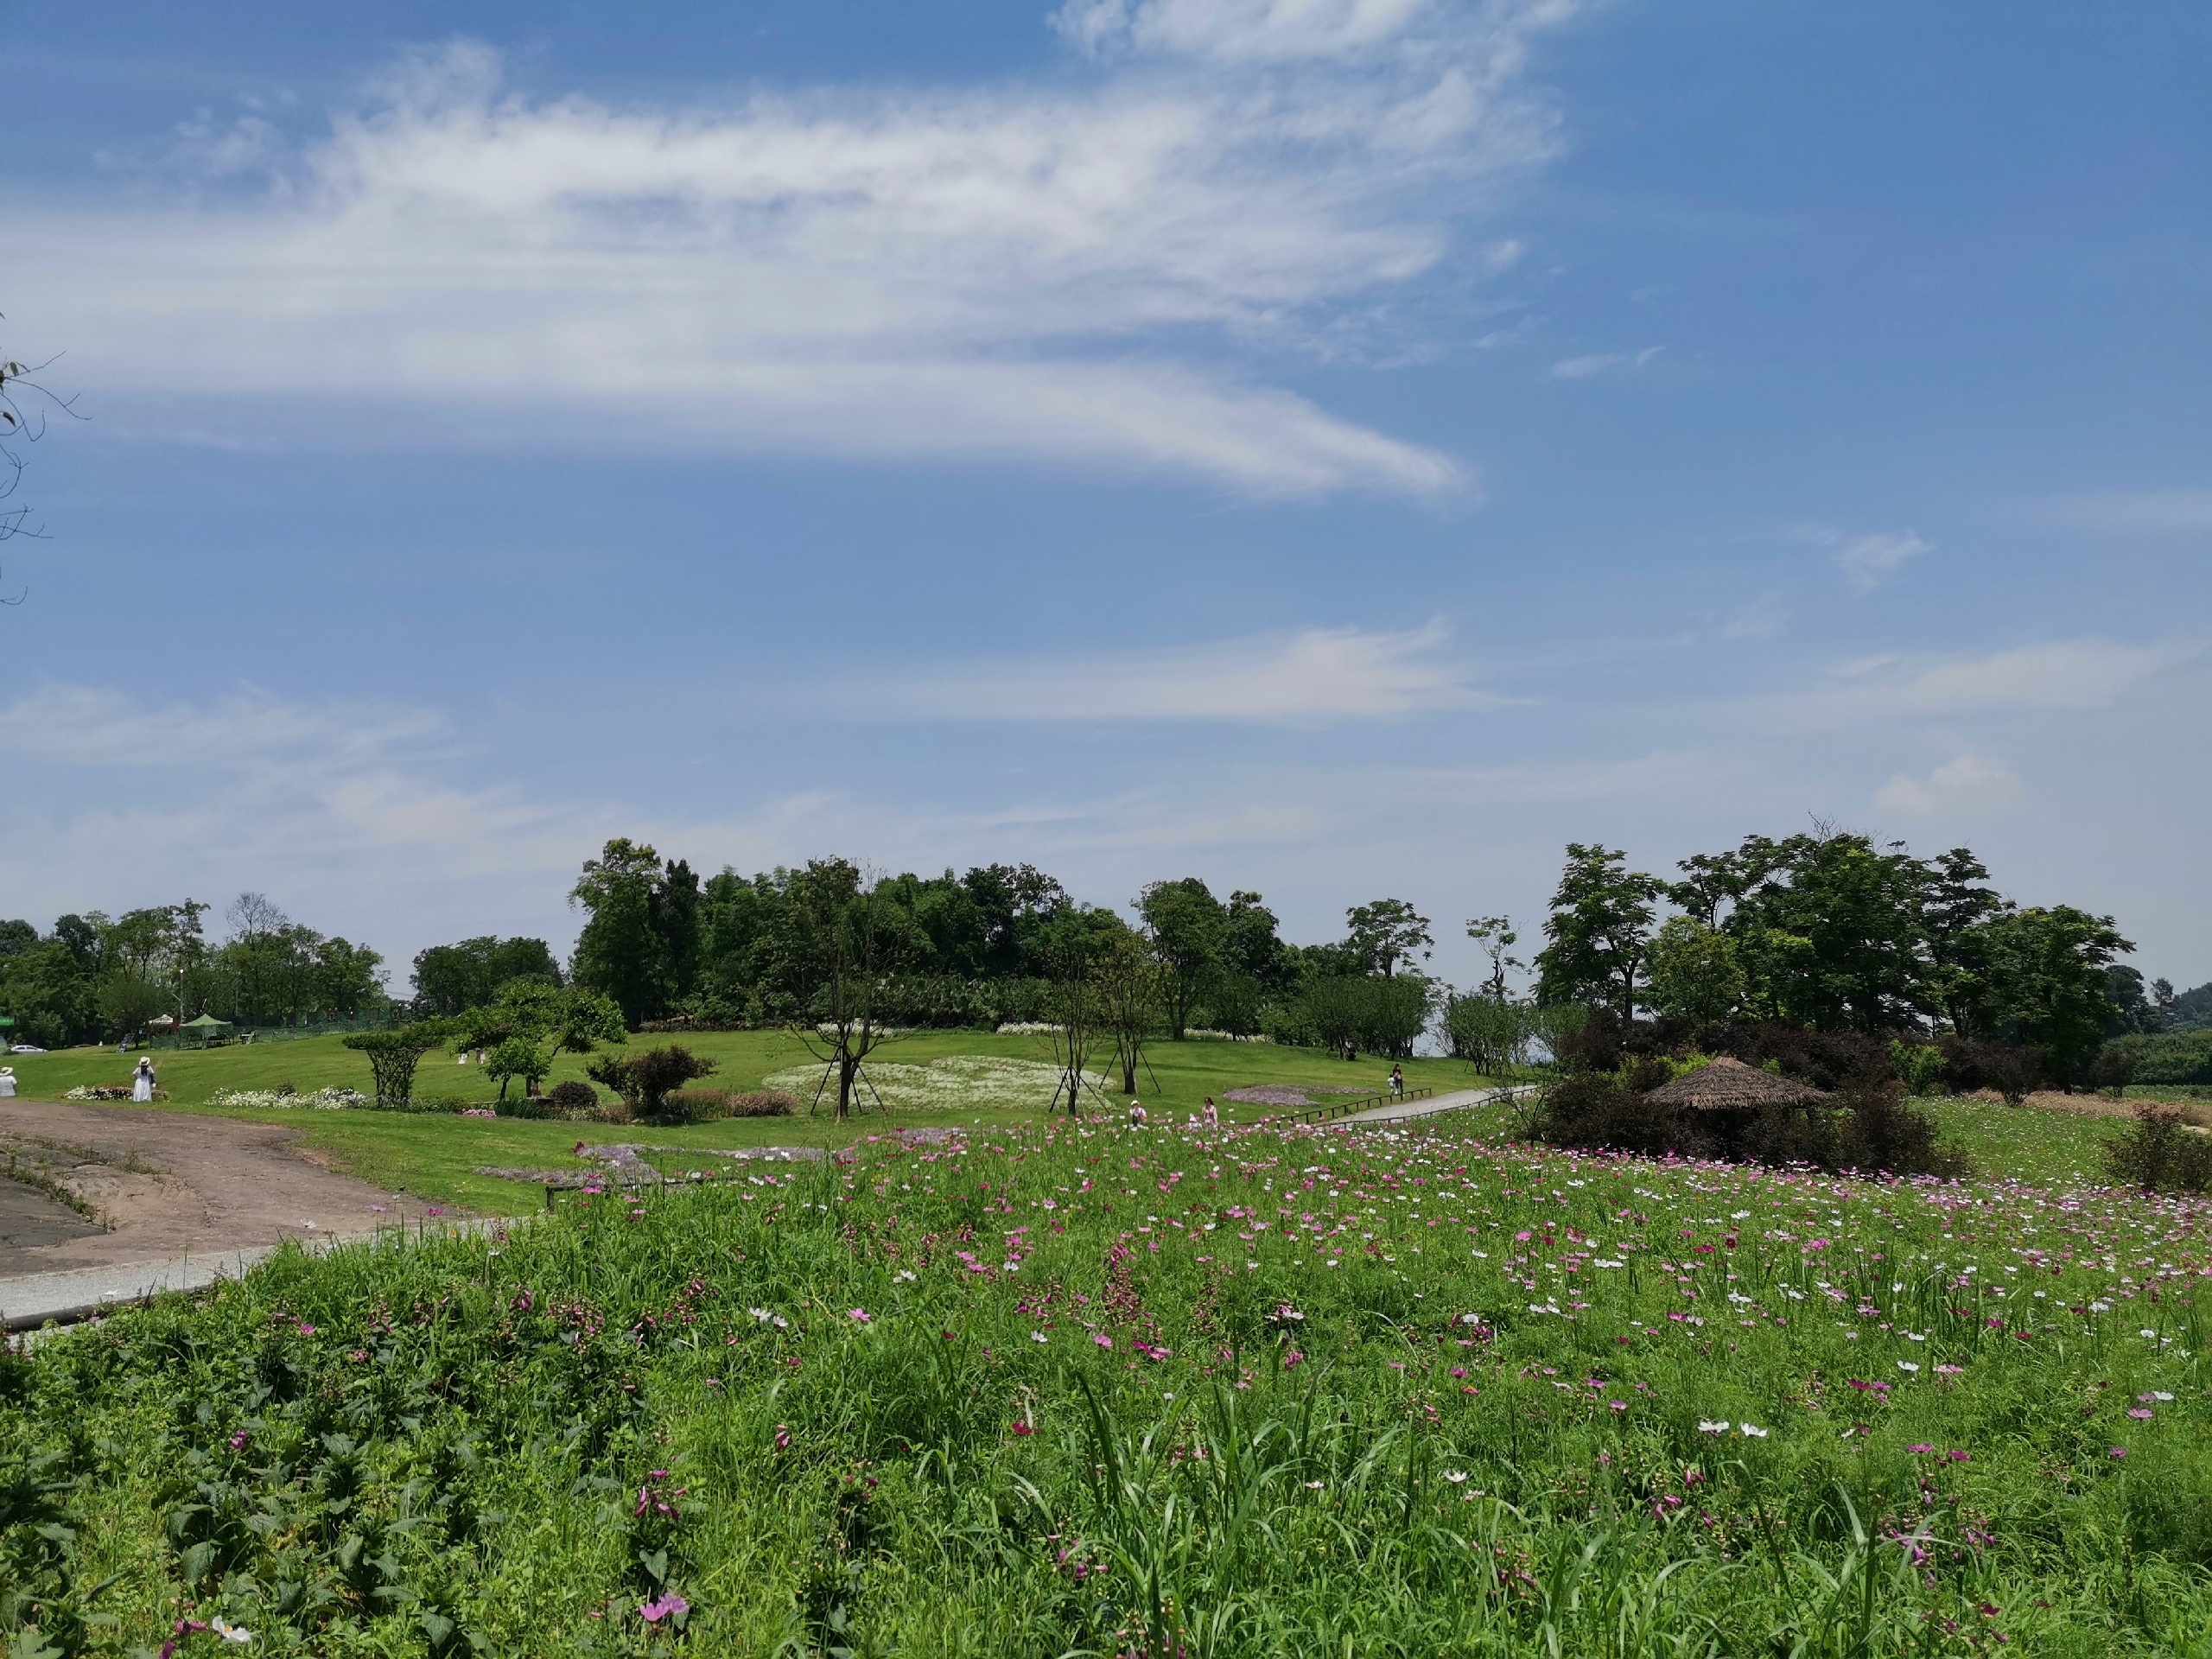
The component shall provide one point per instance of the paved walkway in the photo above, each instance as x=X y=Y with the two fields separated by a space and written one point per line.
x=175 y=1199
x=1458 y=1101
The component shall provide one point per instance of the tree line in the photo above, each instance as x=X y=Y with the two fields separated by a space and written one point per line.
x=989 y=947
x=96 y=977
x=1831 y=931
x=1825 y=931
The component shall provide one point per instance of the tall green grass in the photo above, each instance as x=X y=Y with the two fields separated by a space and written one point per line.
x=1097 y=1390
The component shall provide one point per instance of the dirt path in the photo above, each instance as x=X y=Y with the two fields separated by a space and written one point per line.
x=168 y=1184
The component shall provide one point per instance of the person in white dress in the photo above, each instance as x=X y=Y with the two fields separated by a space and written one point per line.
x=142 y=1081
x=7 y=1082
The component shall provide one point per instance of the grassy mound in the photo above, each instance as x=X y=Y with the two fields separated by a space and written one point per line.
x=1128 y=1392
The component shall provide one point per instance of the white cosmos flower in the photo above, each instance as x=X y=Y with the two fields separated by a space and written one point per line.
x=1753 y=1430
x=1455 y=1476
x=1721 y=1427
x=1907 y=1365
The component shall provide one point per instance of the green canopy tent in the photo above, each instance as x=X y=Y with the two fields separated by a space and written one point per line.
x=207 y=1027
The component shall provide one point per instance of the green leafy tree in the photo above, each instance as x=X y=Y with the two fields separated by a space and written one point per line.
x=128 y=1003
x=1187 y=928
x=647 y=1079
x=621 y=953
x=1694 y=971
x=393 y=1055
x=1496 y=939
x=1956 y=900
x=843 y=949
x=1387 y=932
x=1252 y=942
x=519 y=1057
x=448 y=978
x=1855 y=915
x=45 y=992
x=1128 y=982
x=1491 y=1033
x=1599 y=929
x=2048 y=980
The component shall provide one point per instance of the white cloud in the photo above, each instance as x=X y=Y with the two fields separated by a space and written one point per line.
x=2065 y=674
x=1667 y=775
x=1867 y=562
x=1579 y=368
x=1239 y=30
x=2154 y=512
x=1964 y=783
x=1321 y=673
x=1033 y=272
x=1763 y=618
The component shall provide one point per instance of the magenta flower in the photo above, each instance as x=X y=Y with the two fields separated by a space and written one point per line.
x=1920 y=1449
x=859 y=1315
x=668 y=1604
x=2117 y=1452
x=2142 y=1414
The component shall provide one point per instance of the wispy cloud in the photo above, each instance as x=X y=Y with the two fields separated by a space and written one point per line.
x=1662 y=775
x=1868 y=561
x=1966 y=783
x=2064 y=674
x=1580 y=368
x=1319 y=675
x=1022 y=270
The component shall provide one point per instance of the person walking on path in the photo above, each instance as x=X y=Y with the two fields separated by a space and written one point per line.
x=1397 y=1082
x=142 y=1081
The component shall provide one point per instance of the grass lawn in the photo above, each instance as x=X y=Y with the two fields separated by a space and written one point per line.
x=436 y=1155
x=1089 y=1389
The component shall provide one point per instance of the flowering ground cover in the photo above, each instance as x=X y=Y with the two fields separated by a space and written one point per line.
x=953 y=1083
x=1066 y=1388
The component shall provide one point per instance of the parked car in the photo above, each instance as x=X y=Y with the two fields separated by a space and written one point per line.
x=25 y=1048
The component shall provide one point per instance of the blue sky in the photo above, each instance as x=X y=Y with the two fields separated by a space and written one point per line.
x=1342 y=447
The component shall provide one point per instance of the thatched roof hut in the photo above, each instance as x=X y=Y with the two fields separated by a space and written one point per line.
x=1727 y=1085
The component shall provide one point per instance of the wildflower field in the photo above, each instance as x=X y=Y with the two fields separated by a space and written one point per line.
x=1074 y=1389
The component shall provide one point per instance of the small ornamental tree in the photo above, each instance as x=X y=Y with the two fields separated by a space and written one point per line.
x=519 y=1057
x=647 y=1080
x=393 y=1056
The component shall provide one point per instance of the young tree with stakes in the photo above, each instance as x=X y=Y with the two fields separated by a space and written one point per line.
x=846 y=951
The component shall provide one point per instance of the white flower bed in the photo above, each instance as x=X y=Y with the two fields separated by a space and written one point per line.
x=954 y=1083
x=1029 y=1028
x=323 y=1100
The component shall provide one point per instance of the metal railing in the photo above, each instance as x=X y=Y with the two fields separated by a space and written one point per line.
x=1344 y=1108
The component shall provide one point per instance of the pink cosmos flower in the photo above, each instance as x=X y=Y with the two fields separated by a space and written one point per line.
x=2117 y=1452
x=859 y=1315
x=667 y=1604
